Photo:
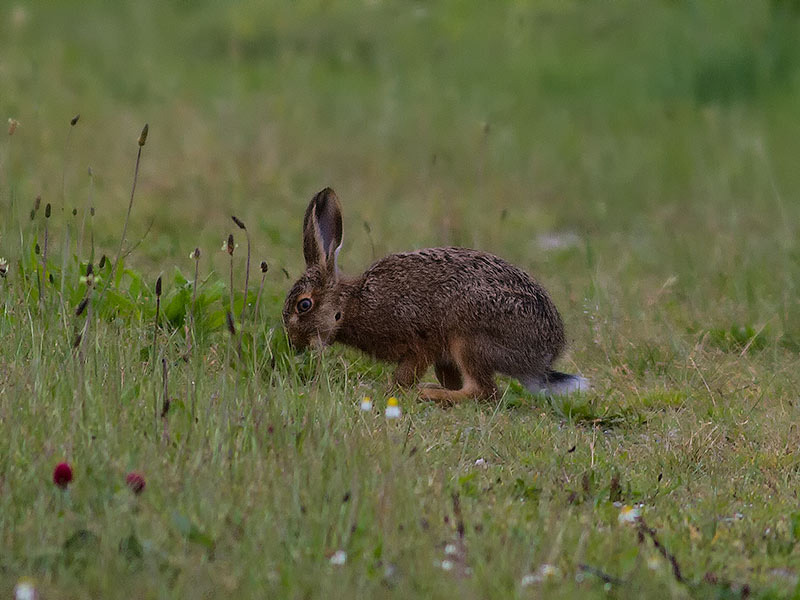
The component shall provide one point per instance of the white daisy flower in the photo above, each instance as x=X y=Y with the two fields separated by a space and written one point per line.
x=392 y=408
x=366 y=404
x=629 y=514
x=544 y=572
x=338 y=558
x=24 y=590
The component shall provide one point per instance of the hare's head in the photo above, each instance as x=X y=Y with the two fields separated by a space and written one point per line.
x=312 y=312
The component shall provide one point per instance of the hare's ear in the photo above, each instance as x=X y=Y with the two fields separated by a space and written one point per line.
x=322 y=231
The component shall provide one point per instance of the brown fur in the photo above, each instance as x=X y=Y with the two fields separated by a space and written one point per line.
x=468 y=313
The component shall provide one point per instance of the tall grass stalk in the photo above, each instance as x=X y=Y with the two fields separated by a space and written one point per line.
x=264 y=269
x=47 y=210
x=230 y=248
x=89 y=194
x=141 y=141
x=193 y=357
x=240 y=224
x=153 y=353
x=66 y=238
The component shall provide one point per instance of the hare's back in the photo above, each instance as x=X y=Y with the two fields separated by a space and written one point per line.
x=455 y=285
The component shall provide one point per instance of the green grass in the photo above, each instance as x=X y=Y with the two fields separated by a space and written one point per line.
x=638 y=158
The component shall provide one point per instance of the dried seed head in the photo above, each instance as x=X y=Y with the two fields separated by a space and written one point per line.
x=33 y=214
x=36 y=249
x=264 y=266
x=47 y=211
x=91 y=211
x=231 y=326
x=81 y=306
x=238 y=222
x=37 y=203
x=12 y=126
x=51 y=278
x=102 y=262
x=158 y=286
x=74 y=211
x=89 y=269
x=143 y=135
x=77 y=341
x=3 y=267
x=196 y=254
x=74 y=119
x=230 y=244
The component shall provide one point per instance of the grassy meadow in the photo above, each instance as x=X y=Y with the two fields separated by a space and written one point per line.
x=638 y=158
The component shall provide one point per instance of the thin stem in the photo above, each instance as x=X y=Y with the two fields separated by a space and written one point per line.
x=142 y=139
x=85 y=210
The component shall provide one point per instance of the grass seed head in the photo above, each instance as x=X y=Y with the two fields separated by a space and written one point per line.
x=231 y=325
x=81 y=306
x=238 y=222
x=230 y=244
x=264 y=266
x=158 y=286
x=74 y=119
x=143 y=135
x=47 y=211
x=196 y=254
x=37 y=203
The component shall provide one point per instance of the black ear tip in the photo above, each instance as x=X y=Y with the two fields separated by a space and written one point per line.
x=322 y=197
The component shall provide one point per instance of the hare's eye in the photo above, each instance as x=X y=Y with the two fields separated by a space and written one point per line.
x=304 y=305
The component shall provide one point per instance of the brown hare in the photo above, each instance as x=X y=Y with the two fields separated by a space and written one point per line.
x=469 y=313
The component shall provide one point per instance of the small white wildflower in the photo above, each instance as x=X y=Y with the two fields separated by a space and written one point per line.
x=24 y=590
x=366 y=404
x=653 y=563
x=548 y=570
x=545 y=571
x=447 y=565
x=629 y=514
x=451 y=550
x=392 y=408
x=480 y=463
x=339 y=558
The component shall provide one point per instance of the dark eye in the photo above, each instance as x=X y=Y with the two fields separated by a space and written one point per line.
x=304 y=305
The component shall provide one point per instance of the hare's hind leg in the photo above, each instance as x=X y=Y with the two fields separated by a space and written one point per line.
x=448 y=374
x=468 y=370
